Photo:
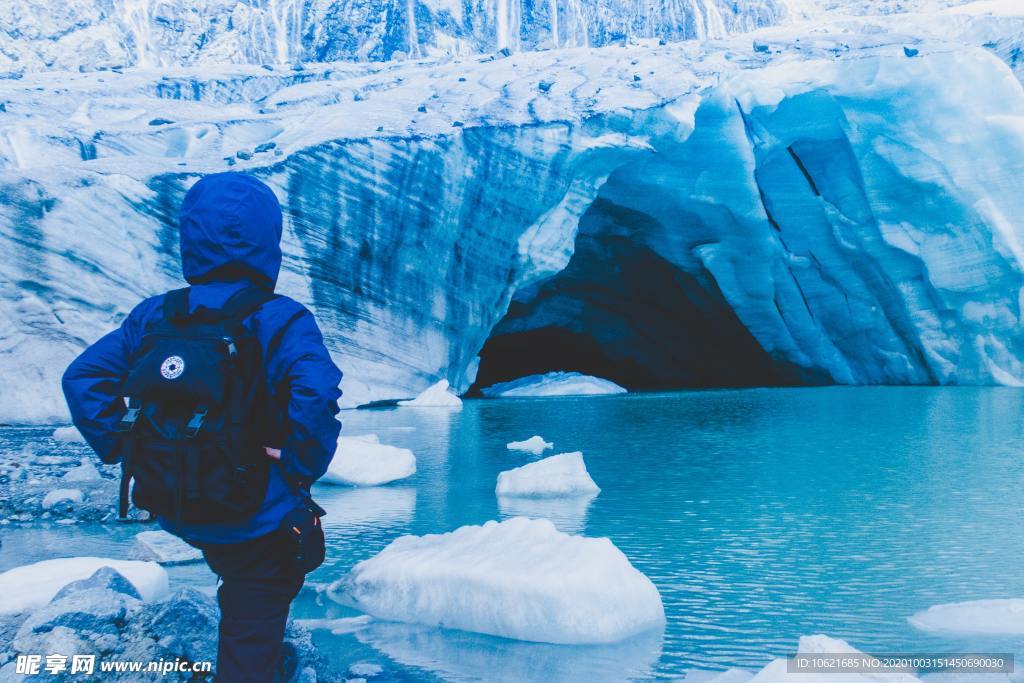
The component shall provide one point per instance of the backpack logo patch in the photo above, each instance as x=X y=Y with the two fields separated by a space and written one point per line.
x=172 y=367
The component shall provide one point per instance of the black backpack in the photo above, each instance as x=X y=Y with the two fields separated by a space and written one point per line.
x=197 y=422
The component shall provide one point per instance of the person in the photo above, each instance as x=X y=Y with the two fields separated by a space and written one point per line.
x=230 y=232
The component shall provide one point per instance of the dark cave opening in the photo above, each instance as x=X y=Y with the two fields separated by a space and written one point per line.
x=622 y=312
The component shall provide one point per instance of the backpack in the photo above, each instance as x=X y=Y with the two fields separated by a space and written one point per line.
x=194 y=433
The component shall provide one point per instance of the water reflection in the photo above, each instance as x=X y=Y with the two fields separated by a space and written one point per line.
x=567 y=514
x=461 y=656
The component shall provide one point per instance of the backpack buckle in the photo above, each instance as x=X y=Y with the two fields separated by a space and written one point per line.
x=195 y=423
x=127 y=422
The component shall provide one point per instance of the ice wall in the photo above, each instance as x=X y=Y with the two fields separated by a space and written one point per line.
x=92 y=34
x=792 y=207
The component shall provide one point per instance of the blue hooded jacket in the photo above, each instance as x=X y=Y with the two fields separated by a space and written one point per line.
x=230 y=229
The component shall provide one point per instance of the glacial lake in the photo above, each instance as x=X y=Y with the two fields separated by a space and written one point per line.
x=761 y=515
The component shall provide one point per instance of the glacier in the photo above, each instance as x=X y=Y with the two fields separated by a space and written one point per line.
x=804 y=204
x=85 y=34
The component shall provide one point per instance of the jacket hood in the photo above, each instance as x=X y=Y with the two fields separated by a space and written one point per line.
x=230 y=229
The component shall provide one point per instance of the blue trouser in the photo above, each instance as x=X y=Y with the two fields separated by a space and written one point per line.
x=259 y=581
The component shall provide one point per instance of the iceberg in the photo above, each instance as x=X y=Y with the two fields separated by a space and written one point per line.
x=435 y=396
x=977 y=617
x=535 y=445
x=521 y=579
x=553 y=384
x=32 y=586
x=557 y=475
x=364 y=461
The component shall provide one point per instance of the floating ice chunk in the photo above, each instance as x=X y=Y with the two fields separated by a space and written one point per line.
x=58 y=496
x=553 y=384
x=436 y=396
x=69 y=434
x=812 y=645
x=365 y=461
x=34 y=585
x=165 y=548
x=84 y=472
x=977 y=617
x=535 y=445
x=557 y=475
x=520 y=579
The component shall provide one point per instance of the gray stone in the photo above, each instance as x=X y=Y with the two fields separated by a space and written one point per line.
x=106 y=578
x=189 y=619
x=87 y=612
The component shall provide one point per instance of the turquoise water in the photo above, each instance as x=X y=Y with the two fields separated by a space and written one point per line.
x=761 y=516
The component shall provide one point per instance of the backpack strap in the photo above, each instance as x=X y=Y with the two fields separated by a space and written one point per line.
x=245 y=302
x=176 y=305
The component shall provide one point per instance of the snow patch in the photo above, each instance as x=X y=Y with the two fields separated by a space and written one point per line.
x=84 y=472
x=33 y=585
x=558 y=475
x=976 y=617
x=553 y=384
x=436 y=396
x=365 y=461
x=520 y=579
x=535 y=445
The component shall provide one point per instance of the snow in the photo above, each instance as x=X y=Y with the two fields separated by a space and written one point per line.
x=557 y=475
x=33 y=585
x=165 y=548
x=69 y=434
x=520 y=579
x=58 y=496
x=535 y=445
x=364 y=461
x=978 y=617
x=553 y=384
x=436 y=396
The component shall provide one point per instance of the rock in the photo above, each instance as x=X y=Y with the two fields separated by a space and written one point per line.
x=545 y=86
x=165 y=548
x=159 y=122
x=911 y=51
x=62 y=501
x=185 y=624
x=105 y=578
x=89 y=612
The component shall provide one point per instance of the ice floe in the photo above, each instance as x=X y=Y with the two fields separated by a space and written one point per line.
x=365 y=461
x=84 y=472
x=436 y=396
x=520 y=579
x=553 y=384
x=56 y=497
x=535 y=445
x=976 y=617
x=557 y=475
x=33 y=585
x=165 y=548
